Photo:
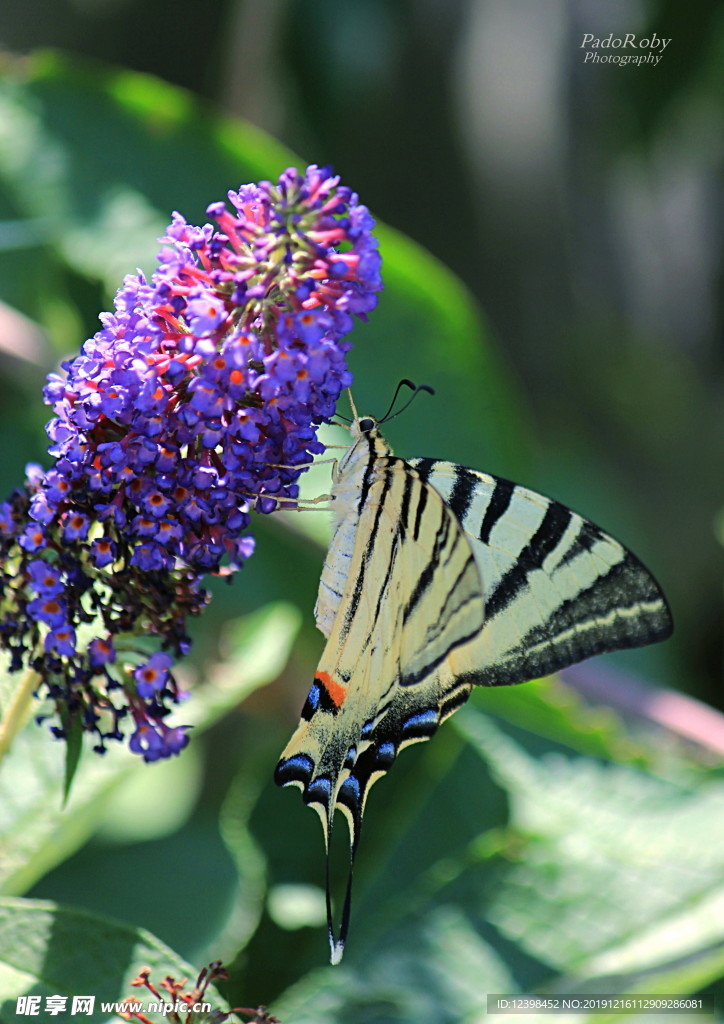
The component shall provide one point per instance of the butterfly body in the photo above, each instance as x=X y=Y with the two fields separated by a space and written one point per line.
x=351 y=479
x=439 y=578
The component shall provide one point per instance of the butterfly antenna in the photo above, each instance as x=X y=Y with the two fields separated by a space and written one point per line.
x=351 y=402
x=404 y=383
x=416 y=389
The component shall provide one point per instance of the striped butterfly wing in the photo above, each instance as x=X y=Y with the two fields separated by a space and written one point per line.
x=557 y=588
x=394 y=662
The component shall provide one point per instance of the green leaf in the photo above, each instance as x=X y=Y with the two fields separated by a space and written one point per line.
x=427 y=326
x=436 y=969
x=674 y=958
x=99 y=157
x=609 y=853
x=250 y=864
x=36 y=833
x=256 y=648
x=46 y=950
x=550 y=708
x=557 y=874
x=151 y=805
x=73 y=749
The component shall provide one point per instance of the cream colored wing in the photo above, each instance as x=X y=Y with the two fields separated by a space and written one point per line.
x=557 y=588
x=389 y=672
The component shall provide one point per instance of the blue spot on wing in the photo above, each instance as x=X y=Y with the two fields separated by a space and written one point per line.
x=349 y=792
x=422 y=724
x=312 y=702
x=295 y=769
x=319 y=791
x=367 y=729
x=385 y=755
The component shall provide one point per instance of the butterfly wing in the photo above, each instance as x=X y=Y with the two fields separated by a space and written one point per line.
x=389 y=673
x=557 y=588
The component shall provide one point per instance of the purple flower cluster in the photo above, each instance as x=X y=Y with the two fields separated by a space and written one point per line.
x=199 y=399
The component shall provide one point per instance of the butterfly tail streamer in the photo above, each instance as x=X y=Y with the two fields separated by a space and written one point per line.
x=297 y=770
x=336 y=945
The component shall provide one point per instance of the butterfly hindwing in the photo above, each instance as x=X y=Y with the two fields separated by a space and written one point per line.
x=383 y=681
x=390 y=634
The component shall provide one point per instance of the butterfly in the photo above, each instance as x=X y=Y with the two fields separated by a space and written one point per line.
x=440 y=578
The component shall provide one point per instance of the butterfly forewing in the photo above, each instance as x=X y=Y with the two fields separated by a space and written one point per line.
x=557 y=588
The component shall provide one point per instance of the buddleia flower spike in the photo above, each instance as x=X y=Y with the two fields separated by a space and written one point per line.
x=199 y=397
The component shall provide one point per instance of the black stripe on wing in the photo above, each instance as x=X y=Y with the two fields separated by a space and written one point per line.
x=497 y=506
x=462 y=493
x=546 y=538
x=428 y=573
x=586 y=539
x=419 y=512
x=405 y=506
x=423 y=467
x=360 y=582
x=622 y=608
x=421 y=673
x=369 y=473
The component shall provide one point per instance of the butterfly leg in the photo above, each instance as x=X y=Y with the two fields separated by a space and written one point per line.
x=305 y=465
x=294 y=504
x=312 y=501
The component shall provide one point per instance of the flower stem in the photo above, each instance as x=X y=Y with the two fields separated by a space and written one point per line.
x=17 y=711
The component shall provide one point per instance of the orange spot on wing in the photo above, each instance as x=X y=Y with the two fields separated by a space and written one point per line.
x=335 y=690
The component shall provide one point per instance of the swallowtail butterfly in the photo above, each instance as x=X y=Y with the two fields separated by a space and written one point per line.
x=439 y=578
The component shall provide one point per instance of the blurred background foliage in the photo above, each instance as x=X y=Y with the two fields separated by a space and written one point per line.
x=541 y=842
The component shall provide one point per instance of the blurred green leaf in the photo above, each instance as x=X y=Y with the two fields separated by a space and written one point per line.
x=653 y=963
x=255 y=649
x=550 y=708
x=100 y=201
x=250 y=865
x=609 y=853
x=439 y=970
x=599 y=877
x=452 y=351
x=150 y=805
x=46 y=949
x=100 y=157
x=36 y=834
x=73 y=749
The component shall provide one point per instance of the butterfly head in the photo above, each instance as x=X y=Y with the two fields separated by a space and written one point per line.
x=367 y=444
x=362 y=425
